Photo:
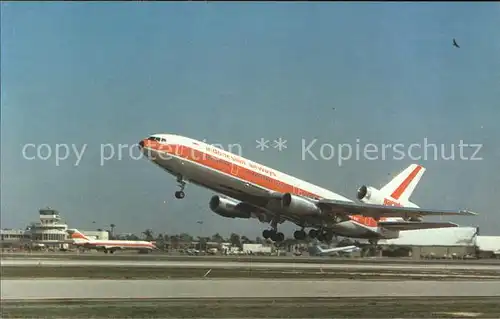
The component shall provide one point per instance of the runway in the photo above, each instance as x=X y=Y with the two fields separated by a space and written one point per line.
x=125 y=255
x=97 y=289
x=232 y=264
x=240 y=287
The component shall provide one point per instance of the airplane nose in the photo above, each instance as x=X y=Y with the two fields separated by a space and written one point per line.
x=141 y=144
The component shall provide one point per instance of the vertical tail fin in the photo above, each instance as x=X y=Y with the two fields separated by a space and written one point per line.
x=76 y=235
x=317 y=249
x=403 y=185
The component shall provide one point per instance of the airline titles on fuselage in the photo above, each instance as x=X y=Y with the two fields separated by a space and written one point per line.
x=238 y=160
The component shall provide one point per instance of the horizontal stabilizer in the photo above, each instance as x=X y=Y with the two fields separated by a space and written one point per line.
x=347 y=208
x=415 y=225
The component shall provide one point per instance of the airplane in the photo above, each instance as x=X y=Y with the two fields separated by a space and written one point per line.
x=336 y=250
x=252 y=190
x=110 y=246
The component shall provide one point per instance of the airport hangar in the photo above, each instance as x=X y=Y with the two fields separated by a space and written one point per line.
x=442 y=243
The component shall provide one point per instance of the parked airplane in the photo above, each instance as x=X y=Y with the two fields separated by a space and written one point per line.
x=252 y=190
x=110 y=246
x=336 y=250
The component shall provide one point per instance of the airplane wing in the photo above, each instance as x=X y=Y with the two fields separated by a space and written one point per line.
x=349 y=208
x=336 y=249
x=415 y=225
x=107 y=247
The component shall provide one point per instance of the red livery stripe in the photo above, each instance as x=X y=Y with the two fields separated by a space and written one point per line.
x=241 y=172
x=404 y=185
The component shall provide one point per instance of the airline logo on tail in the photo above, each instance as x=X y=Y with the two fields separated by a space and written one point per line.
x=402 y=186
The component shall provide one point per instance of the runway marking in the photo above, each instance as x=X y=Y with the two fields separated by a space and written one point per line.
x=460 y=314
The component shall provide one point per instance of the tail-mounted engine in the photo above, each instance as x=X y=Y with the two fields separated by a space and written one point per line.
x=368 y=194
x=363 y=193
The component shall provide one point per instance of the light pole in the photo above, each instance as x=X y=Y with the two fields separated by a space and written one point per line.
x=112 y=226
x=200 y=222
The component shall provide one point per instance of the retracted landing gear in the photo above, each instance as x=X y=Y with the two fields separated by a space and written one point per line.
x=182 y=184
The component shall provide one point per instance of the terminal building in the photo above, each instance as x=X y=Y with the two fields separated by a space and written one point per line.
x=13 y=237
x=49 y=232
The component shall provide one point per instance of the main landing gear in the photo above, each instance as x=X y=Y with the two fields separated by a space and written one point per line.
x=299 y=234
x=180 y=194
x=373 y=247
x=321 y=235
x=273 y=233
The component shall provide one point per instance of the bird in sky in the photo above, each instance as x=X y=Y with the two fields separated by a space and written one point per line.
x=455 y=44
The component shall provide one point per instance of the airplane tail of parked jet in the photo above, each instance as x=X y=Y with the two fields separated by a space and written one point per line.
x=78 y=237
x=395 y=193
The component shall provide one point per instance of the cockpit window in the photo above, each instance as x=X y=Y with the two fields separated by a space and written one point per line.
x=157 y=139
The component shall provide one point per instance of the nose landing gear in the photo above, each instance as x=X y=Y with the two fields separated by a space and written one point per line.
x=182 y=184
x=179 y=194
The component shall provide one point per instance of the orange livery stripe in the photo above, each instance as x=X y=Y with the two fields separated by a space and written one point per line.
x=254 y=174
x=404 y=185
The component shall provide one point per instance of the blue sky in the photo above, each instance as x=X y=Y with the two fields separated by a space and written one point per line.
x=97 y=73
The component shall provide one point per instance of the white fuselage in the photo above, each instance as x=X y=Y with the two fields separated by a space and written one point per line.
x=116 y=244
x=230 y=174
